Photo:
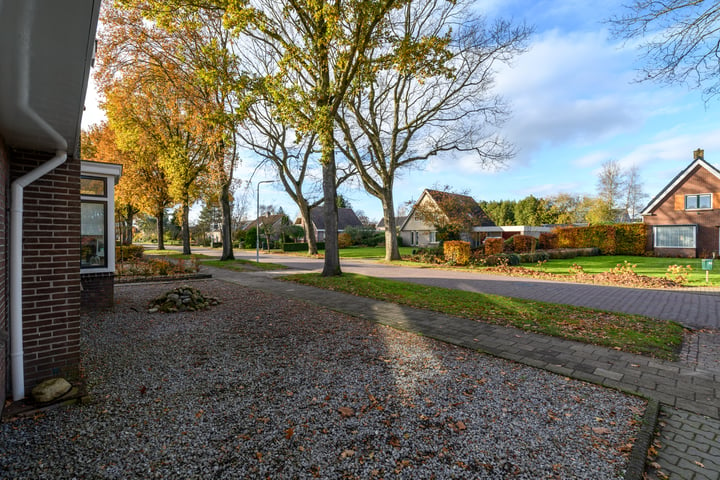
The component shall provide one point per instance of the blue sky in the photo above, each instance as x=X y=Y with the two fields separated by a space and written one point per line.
x=575 y=104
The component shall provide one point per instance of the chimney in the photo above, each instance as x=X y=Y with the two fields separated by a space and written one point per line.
x=699 y=154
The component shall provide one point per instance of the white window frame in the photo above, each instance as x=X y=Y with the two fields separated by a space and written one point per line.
x=110 y=173
x=433 y=237
x=655 y=236
x=697 y=196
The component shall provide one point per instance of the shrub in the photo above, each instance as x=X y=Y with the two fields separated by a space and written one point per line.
x=128 y=252
x=300 y=247
x=344 y=240
x=502 y=259
x=524 y=243
x=533 y=257
x=493 y=246
x=428 y=255
x=620 y=239
x=457 y=252
x=547 y=241
x=561 y=253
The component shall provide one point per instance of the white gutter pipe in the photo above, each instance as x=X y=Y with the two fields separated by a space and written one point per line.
x=17 y=368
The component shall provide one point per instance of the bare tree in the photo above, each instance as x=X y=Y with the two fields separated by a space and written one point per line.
x=634 y=194
x=419 y=106
x=679 y=40
x=611 y=183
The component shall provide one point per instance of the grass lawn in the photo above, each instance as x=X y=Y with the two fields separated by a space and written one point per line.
x=650 y=266
x=240 y=265
x=630 y=333
x=369 y=252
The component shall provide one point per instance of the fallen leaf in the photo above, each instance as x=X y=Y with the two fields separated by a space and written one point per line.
x=289 y=433
x=699 y=464
x=346 y=411
x=600 y=430
x=347 y=453
x=460 y=426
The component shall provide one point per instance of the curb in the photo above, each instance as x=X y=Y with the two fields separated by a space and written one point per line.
x=638 y=455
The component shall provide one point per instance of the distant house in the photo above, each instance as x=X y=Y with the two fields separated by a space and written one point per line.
x=346 y=218
x=685 y=216
x=56 y=222
x=416 y=230
x=270 y=226
x=398 y=222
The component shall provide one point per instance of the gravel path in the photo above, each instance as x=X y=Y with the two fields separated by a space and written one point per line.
x=263 y=387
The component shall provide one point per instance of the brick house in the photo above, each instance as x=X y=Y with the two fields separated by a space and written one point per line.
x=685 y=216
x=56 y=242
x=416 y=230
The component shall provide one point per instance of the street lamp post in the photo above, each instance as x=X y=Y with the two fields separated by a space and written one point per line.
x=257 y=220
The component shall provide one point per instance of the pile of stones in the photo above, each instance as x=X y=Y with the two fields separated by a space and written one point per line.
x=181 y=299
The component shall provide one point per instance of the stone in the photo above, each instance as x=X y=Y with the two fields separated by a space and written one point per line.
x=50 y=390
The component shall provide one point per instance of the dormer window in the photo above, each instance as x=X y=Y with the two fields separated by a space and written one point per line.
x=698 y=202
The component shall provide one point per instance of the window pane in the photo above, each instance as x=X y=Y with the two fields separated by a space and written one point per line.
x=675 y=237
x=92 y=231
x=705 y=201
x=690 y=202
x=92 y=186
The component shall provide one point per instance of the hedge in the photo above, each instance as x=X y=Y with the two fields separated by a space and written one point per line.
x=620 y=239
x=301 y=247
x=493 y=246
x=523 y=243
x=456 y=251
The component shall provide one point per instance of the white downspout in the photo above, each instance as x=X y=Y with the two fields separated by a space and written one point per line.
x=17 y=368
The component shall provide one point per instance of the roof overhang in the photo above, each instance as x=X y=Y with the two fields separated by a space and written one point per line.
x=675 y=182
x=46 y=50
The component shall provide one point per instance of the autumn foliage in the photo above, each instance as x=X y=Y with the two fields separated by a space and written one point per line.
x=620 y=239
x=457 y=252
x=493 y=246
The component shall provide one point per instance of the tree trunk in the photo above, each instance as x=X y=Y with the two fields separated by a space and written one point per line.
x=186 y=225
x=392 y=252
x=160 y=216
x=227 y=250
x=127 y=240
x=309 y=230
x=332 y=252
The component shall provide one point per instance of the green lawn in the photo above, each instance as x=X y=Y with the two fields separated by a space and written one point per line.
x=240 y=265
x=630 y=333
x=370 y=252
x=650 y=266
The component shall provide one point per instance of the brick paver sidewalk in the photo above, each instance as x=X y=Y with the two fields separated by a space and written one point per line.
x=690 y=395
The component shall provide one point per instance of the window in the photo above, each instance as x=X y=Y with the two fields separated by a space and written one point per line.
x=698 y=202
x=674 y=236
x=97 y=235
x=433 y=237
x=93 y=234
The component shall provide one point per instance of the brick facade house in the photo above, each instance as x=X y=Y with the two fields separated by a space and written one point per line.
x=684 y=218
x=47 y=49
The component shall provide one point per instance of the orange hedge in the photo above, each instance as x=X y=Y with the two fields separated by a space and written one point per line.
x=493 y=246
x=620 y=239
x=456 y=251
x=523 y=243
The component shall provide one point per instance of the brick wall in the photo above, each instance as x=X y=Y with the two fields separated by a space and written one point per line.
x=4 y=340
x=672 y=212
x=51 y=270
x=98 y=291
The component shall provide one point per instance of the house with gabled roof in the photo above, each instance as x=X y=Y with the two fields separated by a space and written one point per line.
x=346 y=218
x=56 y=211
x=435 y=207
x=684 y=217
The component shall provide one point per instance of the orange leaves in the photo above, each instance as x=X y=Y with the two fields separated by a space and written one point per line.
x=346 y=412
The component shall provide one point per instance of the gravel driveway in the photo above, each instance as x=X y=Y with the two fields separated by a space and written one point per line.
x=263 y=387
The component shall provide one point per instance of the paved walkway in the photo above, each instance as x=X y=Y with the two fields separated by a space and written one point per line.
x=697 y=308
x=689 y=394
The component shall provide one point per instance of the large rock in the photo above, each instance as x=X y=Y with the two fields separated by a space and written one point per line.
x=51 y=389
